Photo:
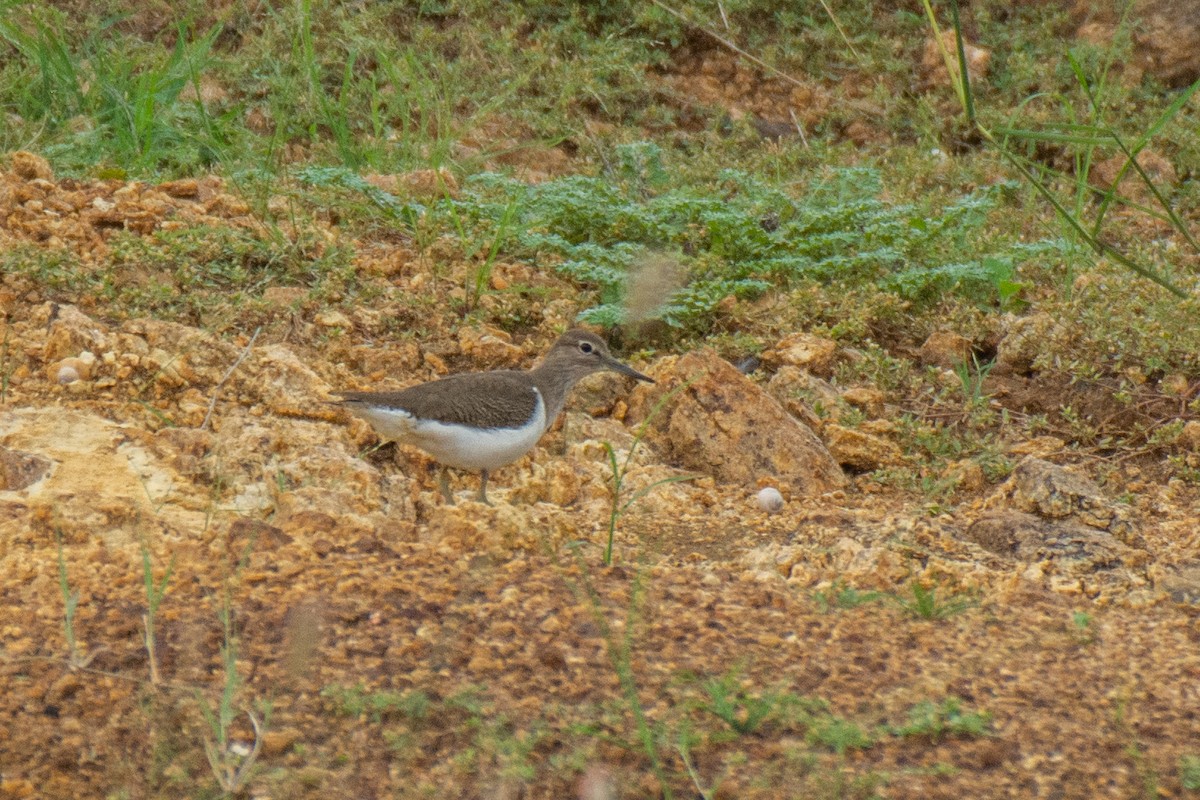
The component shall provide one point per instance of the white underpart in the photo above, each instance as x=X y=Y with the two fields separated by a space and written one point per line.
x=458 y=445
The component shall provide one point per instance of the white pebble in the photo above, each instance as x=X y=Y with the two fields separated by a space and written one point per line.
x=67 y=374
x=770 y=500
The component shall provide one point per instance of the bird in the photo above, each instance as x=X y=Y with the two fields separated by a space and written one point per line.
x=482 y=421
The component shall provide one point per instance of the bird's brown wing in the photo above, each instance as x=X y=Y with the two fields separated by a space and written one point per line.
x=499 y=399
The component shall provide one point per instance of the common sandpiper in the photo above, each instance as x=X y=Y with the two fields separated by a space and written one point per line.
x=485 y=420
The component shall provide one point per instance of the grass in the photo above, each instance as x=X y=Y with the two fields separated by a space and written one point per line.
x=923 y=602
x=619 y=500
x=1189 y=772
x=70 y=598
x=155 y=591
x=937 y=721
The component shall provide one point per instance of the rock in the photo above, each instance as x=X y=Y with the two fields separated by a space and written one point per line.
x=1048 y=490
x=30 y=167
x=500 y=529
x=71 y=332
x=806 y=397
x=860 y=450
x=720 y=423
x=333 y=319
x=813 y=353
x=1190 y=436
x=945 y=349
x=1175 y=384
x=769 y=500
x=1180 y=581
x=277 y=742
x=20 y=470
x=1104 y=174
x=933 y=60
x=1074 y=548
x=103 y=484
x=188 y=188
x=965 y=474
x=1039 y=447
x=69 y=370
x=284 y=382
x=866 y=398
x=1025 y=339
x=489 y=348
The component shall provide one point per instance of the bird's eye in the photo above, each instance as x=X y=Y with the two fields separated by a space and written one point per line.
x=585 y=347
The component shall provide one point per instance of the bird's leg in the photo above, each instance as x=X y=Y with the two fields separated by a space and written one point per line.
x=444 y=485
x=483 y=476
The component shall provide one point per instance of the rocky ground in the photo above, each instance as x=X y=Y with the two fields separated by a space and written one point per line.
x=388 y=644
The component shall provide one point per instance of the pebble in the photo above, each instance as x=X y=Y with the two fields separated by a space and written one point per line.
x=770 y=500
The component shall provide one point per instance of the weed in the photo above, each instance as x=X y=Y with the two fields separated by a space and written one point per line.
x=6 y=368
x=742 y=711
x=355 y=701
x=1086 y=141
x=618 y=504
x=620 y=657
x=75 y=660
x=843 y=596
x=936 y=721
x=1082 y=628
x=971 y=377
x=134 y=96
x=1189 y=772
x=925 y=604
x=837 y=734
x=154 y=596
x=232 y=762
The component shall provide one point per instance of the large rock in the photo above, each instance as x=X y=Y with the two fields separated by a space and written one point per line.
x=85 y=477
x=715 y=420
x=1060 y=522
x=1072 y=546
x=1050 y=491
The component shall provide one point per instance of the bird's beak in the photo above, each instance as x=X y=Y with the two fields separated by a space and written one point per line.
x=617 y=366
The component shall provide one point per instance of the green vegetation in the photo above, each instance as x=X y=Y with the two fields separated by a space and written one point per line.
x=948 y=718
x=924 y=603
x=843 y=596
x=70 y=598
x=1189 y=772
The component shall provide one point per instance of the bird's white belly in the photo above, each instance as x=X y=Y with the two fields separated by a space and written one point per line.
x=459 y=446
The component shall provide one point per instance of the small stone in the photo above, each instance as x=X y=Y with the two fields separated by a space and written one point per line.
x=1175 y=384
x=966 y=475
x=69 y=370
x=66 y=374
x=770 y=500
x=333 y=319
x=489 y=347
x=861 y=450
x=186 y=188
x=945 y=349
x=868 y=399
x=813 y=353
x=277 y=742
x=29 y=166
x=1190 y=437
